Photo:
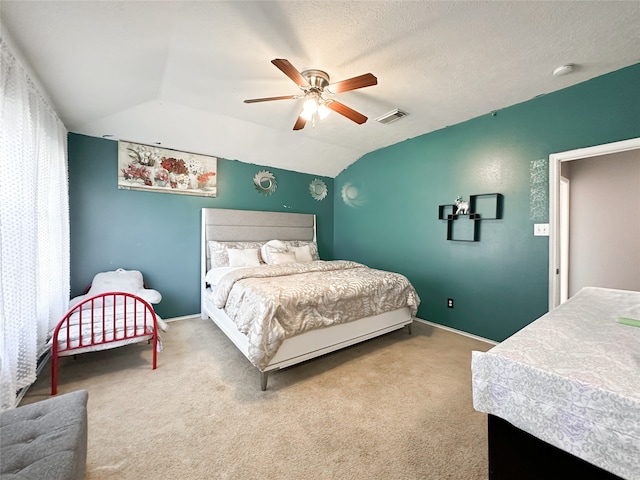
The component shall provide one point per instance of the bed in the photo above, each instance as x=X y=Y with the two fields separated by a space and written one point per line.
x=115 y=311
x=563 y=393
x=322 y=324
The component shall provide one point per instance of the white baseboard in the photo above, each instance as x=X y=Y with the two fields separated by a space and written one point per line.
x=459 y=332
x=184 y=317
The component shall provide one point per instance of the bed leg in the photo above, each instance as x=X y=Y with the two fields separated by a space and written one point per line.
x=409 y=329
x=54 y=374
x=264 y=376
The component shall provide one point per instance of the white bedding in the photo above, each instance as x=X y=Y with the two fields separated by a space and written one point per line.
x=214 y=275
x=271 y=303
x=572 y=379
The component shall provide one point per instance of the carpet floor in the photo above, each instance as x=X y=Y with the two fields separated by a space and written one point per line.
x=395 y=407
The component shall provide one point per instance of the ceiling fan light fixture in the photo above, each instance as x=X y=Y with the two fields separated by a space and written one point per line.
x=314 y=84
x=310 y=106
x=323 y=111
x=316 y=78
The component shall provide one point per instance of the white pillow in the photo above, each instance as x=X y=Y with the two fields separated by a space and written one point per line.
x=303 y=254
x=280 y=258
x=120 y=280
x=247 y=257
x=218 y=254
x=272 y=246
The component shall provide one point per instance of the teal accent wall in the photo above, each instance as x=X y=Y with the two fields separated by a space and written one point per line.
x=500 y=283
x=159 y=233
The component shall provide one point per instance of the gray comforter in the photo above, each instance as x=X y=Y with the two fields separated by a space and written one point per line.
x=275 y=302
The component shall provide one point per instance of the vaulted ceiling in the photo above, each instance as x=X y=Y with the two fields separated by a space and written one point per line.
x=175 y=73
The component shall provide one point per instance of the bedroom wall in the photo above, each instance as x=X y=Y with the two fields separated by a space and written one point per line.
x=159 y=233
x=386 y=204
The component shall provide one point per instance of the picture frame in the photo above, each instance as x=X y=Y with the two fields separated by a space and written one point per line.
x=164 y=170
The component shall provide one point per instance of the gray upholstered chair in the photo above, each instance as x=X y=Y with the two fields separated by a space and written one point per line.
x=46 y=439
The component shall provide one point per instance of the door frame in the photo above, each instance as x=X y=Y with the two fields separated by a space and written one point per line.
x=564 y=234
x=555 y=160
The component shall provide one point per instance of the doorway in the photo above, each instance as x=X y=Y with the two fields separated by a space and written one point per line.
x=558 y=260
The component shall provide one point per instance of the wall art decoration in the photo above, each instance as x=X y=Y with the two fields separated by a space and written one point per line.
x=462 y=207
x=265 y=182
x=539 y=186
x=144 y=167
x=352 y=196
x=318 y=189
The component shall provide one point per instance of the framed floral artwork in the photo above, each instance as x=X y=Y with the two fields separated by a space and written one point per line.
x=145 y=167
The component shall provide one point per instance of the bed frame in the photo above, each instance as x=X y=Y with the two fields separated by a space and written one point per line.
x=138 y=325
x=516 y=454
x=555 y=366
x=245 y=225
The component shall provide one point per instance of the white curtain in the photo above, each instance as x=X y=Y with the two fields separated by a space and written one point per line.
x=34 y=226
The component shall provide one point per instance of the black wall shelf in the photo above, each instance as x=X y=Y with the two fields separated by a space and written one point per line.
x=465 y=227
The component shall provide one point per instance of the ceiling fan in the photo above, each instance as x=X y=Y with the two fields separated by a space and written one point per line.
x=316 y=88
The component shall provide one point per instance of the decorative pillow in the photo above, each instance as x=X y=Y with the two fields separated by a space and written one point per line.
x=303 y=254
x=120 y=280
x=313 y=247
x=218 y=251
x=243 y=258
x=279 y=258
x=272 y=246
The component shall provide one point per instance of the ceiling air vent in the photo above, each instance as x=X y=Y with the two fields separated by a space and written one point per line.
x=392 y=116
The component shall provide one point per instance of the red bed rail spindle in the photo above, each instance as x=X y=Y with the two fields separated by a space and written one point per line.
x=104 y=327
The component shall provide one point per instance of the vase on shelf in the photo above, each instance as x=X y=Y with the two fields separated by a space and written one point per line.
x=182 y=181
x=193 y=180
x=161 y=177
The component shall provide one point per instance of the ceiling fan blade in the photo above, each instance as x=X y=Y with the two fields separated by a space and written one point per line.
x=268 y=99
x=290 y=71
x=366 y=80
x=345 y=111
x=300 y=123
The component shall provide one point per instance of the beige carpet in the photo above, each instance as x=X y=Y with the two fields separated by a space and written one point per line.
x=396 y=407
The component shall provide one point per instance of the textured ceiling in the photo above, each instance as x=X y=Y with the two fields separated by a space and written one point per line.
x=177 y=72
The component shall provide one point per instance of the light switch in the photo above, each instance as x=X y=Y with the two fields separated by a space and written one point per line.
x=541 y=229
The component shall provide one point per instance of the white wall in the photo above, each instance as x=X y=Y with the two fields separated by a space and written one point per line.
x=604 y=244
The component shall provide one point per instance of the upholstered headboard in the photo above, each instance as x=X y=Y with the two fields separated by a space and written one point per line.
x=226 y=225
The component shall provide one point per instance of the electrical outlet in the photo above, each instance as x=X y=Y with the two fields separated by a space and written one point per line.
x=449 y=302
